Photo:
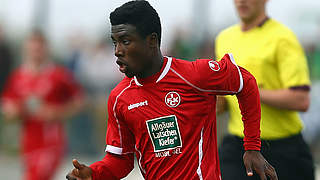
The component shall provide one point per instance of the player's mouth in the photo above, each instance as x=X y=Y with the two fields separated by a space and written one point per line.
x=243 y=8
x=123 y=67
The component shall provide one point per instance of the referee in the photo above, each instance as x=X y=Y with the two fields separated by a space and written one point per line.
x=272 y=53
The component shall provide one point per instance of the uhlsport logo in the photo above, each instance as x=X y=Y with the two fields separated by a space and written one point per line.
x=172 y=99
x=214 y=65
x=164 y=133
x=143 y=103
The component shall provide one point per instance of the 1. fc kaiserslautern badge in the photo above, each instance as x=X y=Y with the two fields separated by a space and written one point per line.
x=172 y=99
x=214 y=65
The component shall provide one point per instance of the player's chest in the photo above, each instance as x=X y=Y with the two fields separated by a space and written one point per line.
x=41 y=86
x=142 y=105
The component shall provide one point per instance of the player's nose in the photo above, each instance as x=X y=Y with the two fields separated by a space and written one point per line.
x=118 y=50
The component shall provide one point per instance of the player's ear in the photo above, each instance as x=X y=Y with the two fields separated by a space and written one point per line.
x=153 y=40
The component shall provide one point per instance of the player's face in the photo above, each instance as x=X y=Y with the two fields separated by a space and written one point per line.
x=131 y=49
x=248 y=10
x=36 y=49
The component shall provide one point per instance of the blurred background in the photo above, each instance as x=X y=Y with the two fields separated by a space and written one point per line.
x=78 y=32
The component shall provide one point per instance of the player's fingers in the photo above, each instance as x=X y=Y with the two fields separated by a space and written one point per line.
x=261 y=171
x=76 y=164
x=76 y=172
x=271 y=172
x=70 y=177
x=262 y=176
x=249 y=169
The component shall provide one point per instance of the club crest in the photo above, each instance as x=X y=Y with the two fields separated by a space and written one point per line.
x=214 y=65
x=172 y=99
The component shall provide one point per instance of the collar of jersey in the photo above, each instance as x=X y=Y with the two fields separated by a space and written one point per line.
x=156 y=77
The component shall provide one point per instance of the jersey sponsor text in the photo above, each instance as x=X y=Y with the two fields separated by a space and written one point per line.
x=164 y=133
x=143 y=103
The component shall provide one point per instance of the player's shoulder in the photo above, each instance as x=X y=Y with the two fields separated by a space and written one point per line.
x=183 y=66
x=279 y=30
x=181 y=62
x=191 y=70
x=276 y=25
x=58 y=71
x=21 y=70
x=17 y=74
x=123 y=84
x=231 y=30
x=57 y=68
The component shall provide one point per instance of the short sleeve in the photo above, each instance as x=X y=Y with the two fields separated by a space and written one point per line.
x=219 y=77
x=292 y=63
x=119 y=138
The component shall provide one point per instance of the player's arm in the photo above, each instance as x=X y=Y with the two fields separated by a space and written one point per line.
x=296 y=99
x=249 y=103
x=112 y=167
x=53 y=112
x=118 y=161
x=10 y=110
x=224 y=78
x=74 y=99
x=293 y=74
x=221 y=105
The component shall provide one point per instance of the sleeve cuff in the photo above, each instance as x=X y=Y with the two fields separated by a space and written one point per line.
x=303 y=88
x=252 y=145
x=114 y=150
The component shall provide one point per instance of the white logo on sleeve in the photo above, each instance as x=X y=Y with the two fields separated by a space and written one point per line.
x=143 y=103
x=214 y=65
x=172 y=99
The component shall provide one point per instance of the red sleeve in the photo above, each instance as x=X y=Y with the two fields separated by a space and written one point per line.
x=119 y=139
x=249 y=103
x=226 y=77
x=218 y=77
x=112 y=167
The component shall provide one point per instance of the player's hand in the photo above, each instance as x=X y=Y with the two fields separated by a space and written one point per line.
x=80 y=172
x=50 y=113
x=10 y=111
x=253 y=160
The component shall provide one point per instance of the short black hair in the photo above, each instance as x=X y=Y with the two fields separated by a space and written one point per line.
x=140 y=14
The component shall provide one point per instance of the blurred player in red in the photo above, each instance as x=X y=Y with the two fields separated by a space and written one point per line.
x=42 y=95
x=164 y=110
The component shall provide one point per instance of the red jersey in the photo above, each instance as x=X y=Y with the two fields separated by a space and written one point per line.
x=52 y=86
x=169 y=119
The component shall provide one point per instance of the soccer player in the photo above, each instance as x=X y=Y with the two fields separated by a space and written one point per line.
x=42 y=95
x=272 y=53
x=164 y=109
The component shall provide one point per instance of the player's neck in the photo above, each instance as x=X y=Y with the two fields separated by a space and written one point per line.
x=35 y=66
x=248 y=25
x=157 y=63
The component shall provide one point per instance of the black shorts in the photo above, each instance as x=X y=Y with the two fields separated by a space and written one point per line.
x=290 y=157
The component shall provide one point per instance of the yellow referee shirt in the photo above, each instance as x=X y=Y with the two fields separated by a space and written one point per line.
x=272 y=53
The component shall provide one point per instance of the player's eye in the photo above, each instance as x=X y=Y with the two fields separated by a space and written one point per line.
x=114 y=43
x=126 y=42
